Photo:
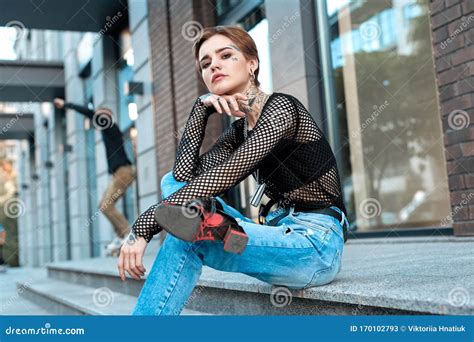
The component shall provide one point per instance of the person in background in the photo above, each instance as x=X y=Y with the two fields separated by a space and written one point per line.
x=3 y=238
x=119 y=166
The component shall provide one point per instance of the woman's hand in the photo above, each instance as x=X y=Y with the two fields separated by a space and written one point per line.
x=58 y=102
x=225 y=103
x=131 y=257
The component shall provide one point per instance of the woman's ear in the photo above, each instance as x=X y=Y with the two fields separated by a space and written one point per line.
x=254 y=64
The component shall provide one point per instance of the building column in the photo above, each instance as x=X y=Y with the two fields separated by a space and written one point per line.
x=175 y=83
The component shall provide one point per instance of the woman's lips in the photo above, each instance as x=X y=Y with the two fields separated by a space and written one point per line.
x=218 y=78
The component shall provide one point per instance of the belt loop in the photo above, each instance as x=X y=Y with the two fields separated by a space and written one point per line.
x=343 y=219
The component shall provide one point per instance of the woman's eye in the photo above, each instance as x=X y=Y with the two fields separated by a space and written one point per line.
x=227 y=55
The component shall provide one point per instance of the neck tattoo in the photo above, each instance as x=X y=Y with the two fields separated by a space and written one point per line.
x=254 y=105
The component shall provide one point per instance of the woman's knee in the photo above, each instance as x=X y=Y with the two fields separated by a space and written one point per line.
x=169 y=184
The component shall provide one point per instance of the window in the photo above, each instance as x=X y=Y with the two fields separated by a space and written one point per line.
x=385 y=114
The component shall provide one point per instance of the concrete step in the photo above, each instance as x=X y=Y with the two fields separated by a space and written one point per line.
x=11 y=301
x=379 y=276
x=63 y=298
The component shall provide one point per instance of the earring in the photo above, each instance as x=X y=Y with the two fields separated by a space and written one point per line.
x=252 y=76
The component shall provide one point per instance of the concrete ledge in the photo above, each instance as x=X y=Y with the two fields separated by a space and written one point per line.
x=413 y=275
x=62 y=298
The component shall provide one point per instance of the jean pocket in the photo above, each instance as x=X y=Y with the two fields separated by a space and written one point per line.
x=317 y=231
x=313 y=220
x=326 y=275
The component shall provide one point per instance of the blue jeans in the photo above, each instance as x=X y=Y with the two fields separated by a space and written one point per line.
x=303 y=250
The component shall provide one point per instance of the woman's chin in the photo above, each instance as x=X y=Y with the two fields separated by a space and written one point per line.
x=222 y=90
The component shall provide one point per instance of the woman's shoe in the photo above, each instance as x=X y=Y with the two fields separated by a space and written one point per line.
x=202 y=220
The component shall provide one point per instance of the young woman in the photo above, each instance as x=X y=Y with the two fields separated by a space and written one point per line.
x=301 y=241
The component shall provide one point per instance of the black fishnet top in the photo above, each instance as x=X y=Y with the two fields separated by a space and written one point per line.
x=291 y=153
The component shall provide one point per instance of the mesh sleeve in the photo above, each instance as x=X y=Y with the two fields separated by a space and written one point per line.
x=227 y=163
x=277 y=121
x=187 y=157
x=188 y=162
x=145 y=225
x=222 y=149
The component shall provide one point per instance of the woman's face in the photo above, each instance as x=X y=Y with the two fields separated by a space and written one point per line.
x=219 y=55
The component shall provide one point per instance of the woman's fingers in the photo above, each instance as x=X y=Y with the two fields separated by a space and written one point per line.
x=131 y=261
x=236 y=108
x=225 y=105
x=133 y=271
x=139 y=263
x=126 y=261
x=120 y=265
x=216 y=105
x=234 y=104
